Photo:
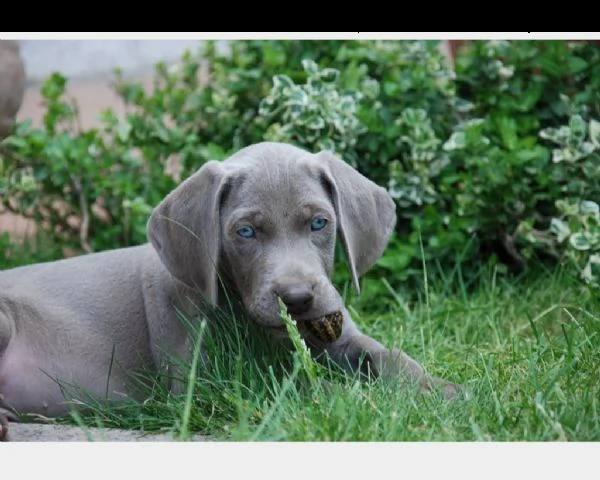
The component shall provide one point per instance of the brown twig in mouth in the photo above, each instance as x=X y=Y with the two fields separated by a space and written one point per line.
x=327 y=328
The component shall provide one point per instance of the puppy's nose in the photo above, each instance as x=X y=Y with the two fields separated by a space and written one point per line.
x=298 y=297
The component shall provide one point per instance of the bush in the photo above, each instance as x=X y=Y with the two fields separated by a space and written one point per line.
x=481 y=161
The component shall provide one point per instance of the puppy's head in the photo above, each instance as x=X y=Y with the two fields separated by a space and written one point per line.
x=267 y=218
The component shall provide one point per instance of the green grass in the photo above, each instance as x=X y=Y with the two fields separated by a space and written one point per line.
x=527 y=351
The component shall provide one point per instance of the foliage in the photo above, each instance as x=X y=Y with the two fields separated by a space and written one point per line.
x=315 y=114
x=573 y=235
x=476 y=157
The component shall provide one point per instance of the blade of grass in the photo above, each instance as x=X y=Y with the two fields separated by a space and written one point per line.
x=184 y=433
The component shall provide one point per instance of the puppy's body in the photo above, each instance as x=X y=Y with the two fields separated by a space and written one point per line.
x=61 y=321
x=265 y=221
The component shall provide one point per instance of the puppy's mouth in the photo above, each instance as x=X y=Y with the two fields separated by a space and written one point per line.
x=326 y=329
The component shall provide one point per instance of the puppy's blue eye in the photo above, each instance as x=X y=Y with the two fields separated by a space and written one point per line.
x=246 y=232
x=318 y=223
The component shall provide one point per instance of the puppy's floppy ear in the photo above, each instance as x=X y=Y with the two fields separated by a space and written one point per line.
x=366 y=214
x=185 y=229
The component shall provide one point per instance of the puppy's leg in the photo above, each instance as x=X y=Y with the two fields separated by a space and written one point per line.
x=5 y=416
x=355 y=351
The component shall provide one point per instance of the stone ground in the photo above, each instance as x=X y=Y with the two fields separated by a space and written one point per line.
x=34 y=432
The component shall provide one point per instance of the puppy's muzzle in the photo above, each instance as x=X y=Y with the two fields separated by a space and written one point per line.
x=297 y=297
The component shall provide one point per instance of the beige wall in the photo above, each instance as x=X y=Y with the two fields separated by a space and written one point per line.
x=91 y=96
x=88 y=65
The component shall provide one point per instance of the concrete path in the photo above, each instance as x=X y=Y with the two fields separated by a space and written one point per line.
x=35 y=432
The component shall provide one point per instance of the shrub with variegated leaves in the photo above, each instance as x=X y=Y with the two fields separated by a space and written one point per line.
x=410 y=181
x=574 y=233
x=317 y=114
x=577 y=233
x=476 y=157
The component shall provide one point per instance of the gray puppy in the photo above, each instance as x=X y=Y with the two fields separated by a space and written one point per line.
x=265 y=220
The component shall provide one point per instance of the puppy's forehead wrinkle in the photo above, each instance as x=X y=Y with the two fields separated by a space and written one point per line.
x=260 y=178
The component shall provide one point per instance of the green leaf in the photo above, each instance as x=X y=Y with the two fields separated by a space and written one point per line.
x=414 y=116
x=347 y=105
x=567 y=208
x=585 y=149
x=214 y=152
x=463 y=106
x=594 y=128
x=457 y=141
x=560 y=229
x=580 y=241
x=329 y=75
x=162 y=133
x=310 y=66
x=327 y=144
x=508 y=132
x=281 y=82
x=124 y=130
x=591 y=272
x=578 y=128
x=557 y=135
x=18 y=143
x=587 y=207
x=298 y=97
x=559 y=155
x=370 y=88
x=576 y=65
x=314 y=122
x=530 y=97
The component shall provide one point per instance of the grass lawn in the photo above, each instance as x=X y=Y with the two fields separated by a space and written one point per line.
x=527 y=351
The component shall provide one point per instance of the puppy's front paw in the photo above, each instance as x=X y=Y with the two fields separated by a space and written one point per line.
x=450 y=391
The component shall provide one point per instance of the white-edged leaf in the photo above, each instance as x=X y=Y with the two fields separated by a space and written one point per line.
x=327 y=144
x=314 y=122
x=282 y=82
x=591 y=272
x=560 y=229
x=587 y=207
x=457 y=141
x=310 y=66
x=558 y=155
x=580 y=241
x=297 y=97
x=594 y=128
x=414 y=116
x=585 y=149
x=578 y=127
x=124 y=130
x=347 y=105
x=329 y=75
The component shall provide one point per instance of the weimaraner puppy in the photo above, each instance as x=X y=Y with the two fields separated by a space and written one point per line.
x=265 y=221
